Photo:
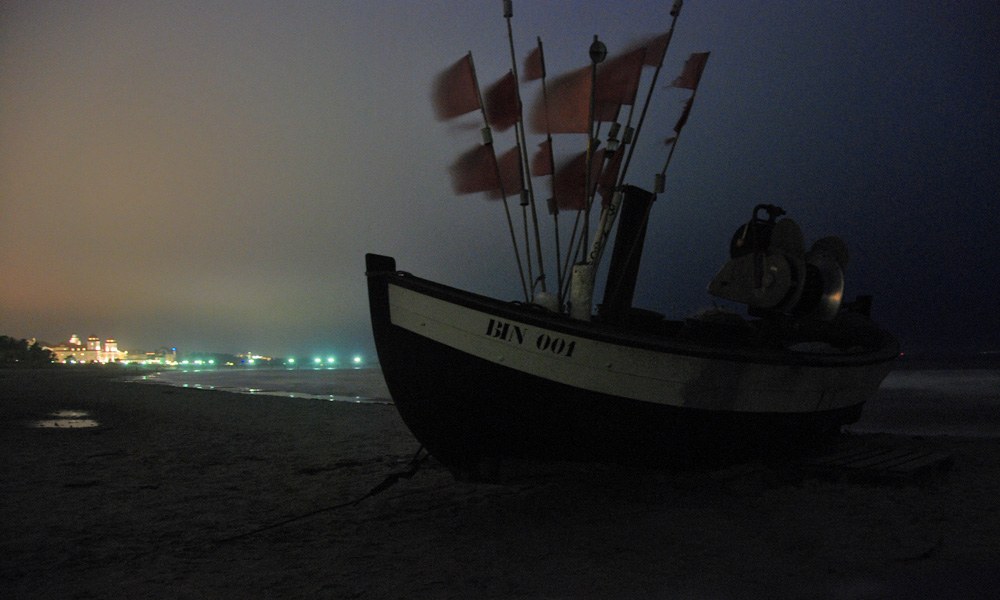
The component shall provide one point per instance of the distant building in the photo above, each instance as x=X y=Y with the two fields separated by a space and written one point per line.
x=92 y=351
x=161 y=356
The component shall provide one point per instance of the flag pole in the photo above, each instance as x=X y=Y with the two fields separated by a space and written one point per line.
x=581 y=284
x=525 y=200
x=575 y=248
x=529 y=196
x=569 y=254
x=675 y=12
x=553 y=205
x=488 y=141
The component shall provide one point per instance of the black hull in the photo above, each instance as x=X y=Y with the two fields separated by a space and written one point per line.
x=466 y=409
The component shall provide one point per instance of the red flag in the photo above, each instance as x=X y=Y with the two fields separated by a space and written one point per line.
x=510 y=174
x=617 y=84
x=655 y=49
x=684 y=116
x=568 y=106
x=503 y=109
x=475 y=171
x=455 y=91
x=534 y=64
x=606 y=110
x=569 y=183
x=691 y=74
x=609 y=176
x=541 y=164
x=618 y=78
x=569 y=95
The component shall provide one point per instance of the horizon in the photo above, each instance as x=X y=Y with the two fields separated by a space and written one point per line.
x=337 y=358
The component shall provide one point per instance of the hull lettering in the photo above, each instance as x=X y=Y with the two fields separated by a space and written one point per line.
x=506 y=331
x=516 y=334
x=557 y=346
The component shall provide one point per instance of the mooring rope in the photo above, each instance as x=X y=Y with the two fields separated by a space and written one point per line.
x=388 y=482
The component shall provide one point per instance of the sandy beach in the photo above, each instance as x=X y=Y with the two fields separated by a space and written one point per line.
x=164 y=498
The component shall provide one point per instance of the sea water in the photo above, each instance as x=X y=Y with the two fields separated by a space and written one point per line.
x=956 y=398
x=365 y=385
x=953 y=401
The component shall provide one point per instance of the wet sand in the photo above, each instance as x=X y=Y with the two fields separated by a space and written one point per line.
x=161 y=498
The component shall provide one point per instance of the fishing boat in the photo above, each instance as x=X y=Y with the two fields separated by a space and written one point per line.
x=479 y=379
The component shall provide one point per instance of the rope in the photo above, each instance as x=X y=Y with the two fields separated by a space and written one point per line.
x=390 y=480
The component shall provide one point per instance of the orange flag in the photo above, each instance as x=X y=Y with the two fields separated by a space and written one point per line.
x=455 y=92
x=569 y=95
x=502 y=106
x=569 y=105
x=693 y=69
x=475 y=171
x=510 y=174
x=618 y=78
x=541 y=164
x=534 y=64
x=569 y=183
x=655 y=49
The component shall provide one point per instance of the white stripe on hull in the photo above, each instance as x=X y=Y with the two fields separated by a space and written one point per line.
x=635 y=373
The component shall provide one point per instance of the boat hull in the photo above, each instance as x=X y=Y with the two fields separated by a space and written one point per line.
x=477 y=379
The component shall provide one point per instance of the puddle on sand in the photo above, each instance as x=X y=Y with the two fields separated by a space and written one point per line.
x=66 y=419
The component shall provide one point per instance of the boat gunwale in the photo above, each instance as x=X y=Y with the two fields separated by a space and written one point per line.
x=538 y=316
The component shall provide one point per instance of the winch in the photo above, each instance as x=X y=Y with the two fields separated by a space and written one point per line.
x=771 y=271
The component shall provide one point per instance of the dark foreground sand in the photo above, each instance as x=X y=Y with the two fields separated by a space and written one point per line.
x=136 y=508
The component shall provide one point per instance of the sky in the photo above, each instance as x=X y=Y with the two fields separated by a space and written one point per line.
x=209 y=175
